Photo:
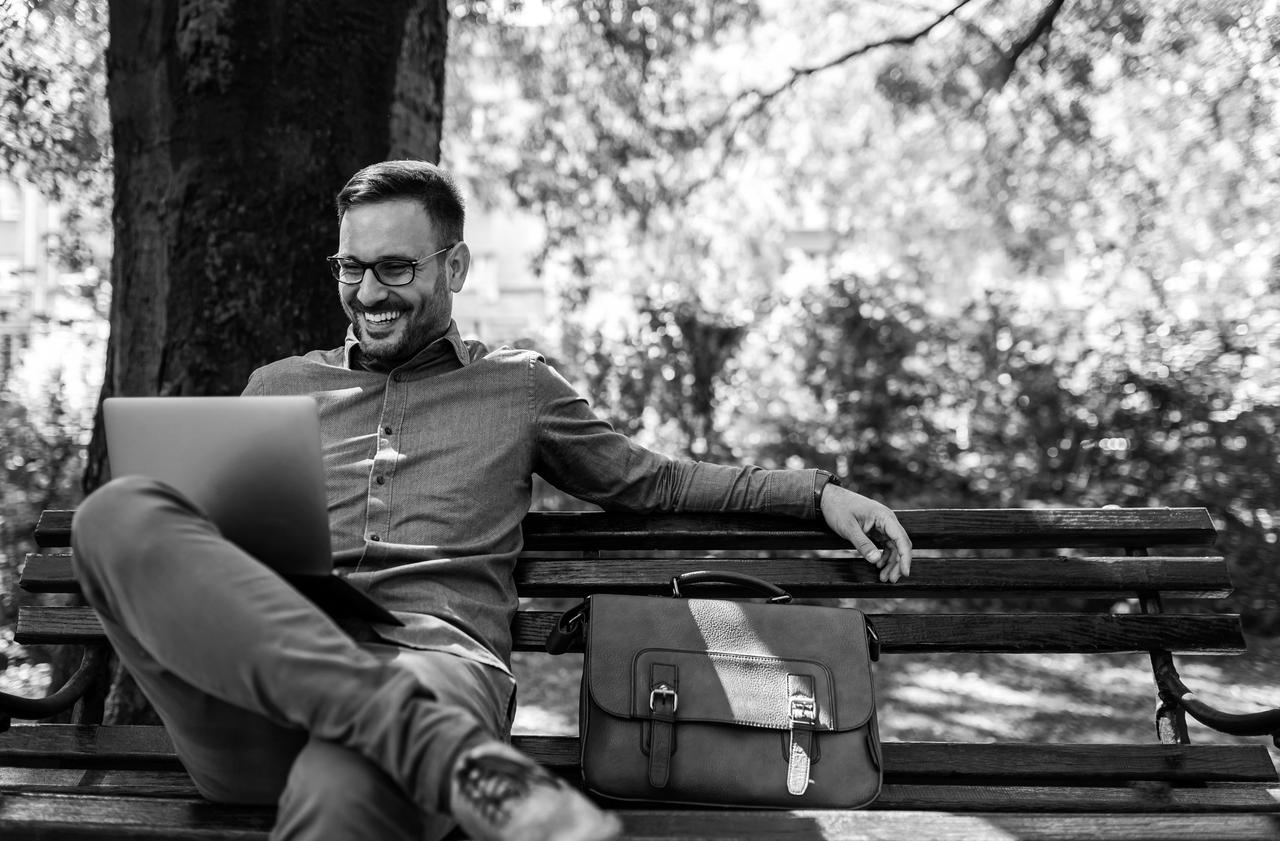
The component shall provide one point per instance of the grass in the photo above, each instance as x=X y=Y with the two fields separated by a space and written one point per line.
x=1062 y=698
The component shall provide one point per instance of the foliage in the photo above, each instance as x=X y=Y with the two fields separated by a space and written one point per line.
x=55 y=135
x=43 y=454
x=969 y=253
x=54 y=127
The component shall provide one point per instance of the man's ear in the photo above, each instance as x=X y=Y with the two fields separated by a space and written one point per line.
x=456 y=265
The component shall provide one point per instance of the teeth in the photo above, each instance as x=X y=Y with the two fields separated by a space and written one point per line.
x=382 y=317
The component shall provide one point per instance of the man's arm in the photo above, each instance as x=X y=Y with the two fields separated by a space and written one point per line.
x=583 y=455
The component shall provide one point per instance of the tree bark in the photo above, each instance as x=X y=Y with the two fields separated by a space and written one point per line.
x=234 y=123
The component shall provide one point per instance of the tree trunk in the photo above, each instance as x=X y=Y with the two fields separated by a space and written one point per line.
x=234 y=123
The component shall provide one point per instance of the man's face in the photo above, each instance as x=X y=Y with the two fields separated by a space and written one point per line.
x=395 y=322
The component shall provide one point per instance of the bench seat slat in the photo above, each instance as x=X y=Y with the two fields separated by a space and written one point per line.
x=1199 y=577
x=898 y=632
x=72 y=817
x=896 y=825
x=1155 y=797
x=929 y=529
x=143 y=747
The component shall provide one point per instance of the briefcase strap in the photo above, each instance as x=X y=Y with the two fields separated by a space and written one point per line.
x=664 y=699
x=804 y=714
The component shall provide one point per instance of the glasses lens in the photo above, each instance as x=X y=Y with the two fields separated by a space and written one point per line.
x=394 y=272
x=345 y=270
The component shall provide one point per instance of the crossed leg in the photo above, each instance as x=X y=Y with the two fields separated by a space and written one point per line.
x=265 y=697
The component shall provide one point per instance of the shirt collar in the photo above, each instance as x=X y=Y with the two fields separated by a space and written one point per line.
x=449 y=344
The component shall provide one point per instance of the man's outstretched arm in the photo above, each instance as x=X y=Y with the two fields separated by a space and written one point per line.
x=583 y=455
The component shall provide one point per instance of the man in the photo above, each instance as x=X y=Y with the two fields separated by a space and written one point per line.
x=430 y=444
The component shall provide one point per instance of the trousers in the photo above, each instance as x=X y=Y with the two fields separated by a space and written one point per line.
x=265 y=697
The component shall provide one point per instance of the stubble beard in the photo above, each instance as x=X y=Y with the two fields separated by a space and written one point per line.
x=418 y=330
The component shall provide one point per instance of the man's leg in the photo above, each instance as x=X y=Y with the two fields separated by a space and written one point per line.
x=334 y=793
x=221 y=622
x=232 y=755
x=209 y=617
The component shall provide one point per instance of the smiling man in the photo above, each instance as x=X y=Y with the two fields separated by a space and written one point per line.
x=430 y=443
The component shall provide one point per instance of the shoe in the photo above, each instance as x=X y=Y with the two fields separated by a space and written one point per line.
x=499 y=794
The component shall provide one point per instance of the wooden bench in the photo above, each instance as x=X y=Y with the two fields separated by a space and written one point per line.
x=70 y=781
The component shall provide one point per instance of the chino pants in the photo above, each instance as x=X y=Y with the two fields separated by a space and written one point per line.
x=267 y=699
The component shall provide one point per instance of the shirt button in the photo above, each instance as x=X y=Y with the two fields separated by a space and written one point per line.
x=381 y=480
x=386 y=430
x=374 y=537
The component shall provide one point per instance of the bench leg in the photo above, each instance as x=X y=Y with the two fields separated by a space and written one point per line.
x=1171 y=718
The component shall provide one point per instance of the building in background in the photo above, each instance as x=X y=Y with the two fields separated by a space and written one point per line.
x=505 y=301
x=53 y=327
x=25 y=272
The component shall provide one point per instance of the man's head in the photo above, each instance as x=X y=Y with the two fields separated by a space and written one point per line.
x=407 y=218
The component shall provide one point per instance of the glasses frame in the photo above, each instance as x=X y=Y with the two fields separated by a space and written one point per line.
x=335 y=268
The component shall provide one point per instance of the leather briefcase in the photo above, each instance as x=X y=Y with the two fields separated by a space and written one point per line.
x=720 y=702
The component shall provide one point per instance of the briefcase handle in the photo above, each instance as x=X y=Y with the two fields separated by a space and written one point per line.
x=774 y=593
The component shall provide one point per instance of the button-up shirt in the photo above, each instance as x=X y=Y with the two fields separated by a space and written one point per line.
x=429 y=471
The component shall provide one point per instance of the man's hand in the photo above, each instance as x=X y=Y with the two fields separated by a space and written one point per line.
x=853 y=516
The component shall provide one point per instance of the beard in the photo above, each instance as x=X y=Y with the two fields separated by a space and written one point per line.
x=400 y=340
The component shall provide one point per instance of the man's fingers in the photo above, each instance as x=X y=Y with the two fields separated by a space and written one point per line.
x=864 y=546
x=901 y=544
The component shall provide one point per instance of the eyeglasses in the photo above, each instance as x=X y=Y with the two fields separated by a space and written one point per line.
x=351 y=271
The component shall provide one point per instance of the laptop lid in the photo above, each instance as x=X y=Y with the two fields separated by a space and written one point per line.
x=253 y=465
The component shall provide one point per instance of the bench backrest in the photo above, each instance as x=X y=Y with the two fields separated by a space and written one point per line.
x=1024 y=554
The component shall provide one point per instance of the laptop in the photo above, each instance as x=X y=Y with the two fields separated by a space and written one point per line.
x=254 y=466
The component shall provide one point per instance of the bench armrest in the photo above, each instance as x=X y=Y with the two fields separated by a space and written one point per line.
x=16 y=706
x=1263 y=723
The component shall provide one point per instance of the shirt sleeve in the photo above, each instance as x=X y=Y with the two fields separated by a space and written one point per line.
x=255 y=387
x=585 y=456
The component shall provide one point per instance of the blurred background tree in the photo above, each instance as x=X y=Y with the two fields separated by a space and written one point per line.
x=964 y=253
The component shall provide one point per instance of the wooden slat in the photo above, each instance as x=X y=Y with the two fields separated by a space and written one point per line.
x=1201 y=577
x=67 y=817
x=940 y=826
x=929 y=528
x=98 y=781
x=148 y=748
x=72 y=817
x=900 y=632
x=1008 y=633
x=1204 y=577
x=1120 y=799
x=1158 y=797
x=126 y=746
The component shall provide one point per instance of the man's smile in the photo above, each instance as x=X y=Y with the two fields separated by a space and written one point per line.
x=382 y=316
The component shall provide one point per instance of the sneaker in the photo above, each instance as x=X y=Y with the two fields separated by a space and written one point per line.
x=499 y=794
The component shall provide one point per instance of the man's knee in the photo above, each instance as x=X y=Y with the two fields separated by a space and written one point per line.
x=118 y=520
x=335 y=792
x=115 y=504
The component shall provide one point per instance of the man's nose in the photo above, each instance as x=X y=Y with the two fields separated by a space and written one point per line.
x=371 y=289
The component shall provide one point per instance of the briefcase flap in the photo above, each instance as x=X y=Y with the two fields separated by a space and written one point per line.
x=730 y=662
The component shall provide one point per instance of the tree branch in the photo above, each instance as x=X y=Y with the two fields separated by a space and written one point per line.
x=763 y=98
x=1003 y=70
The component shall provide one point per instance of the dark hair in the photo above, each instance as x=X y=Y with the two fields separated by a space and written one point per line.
x=426 y=183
